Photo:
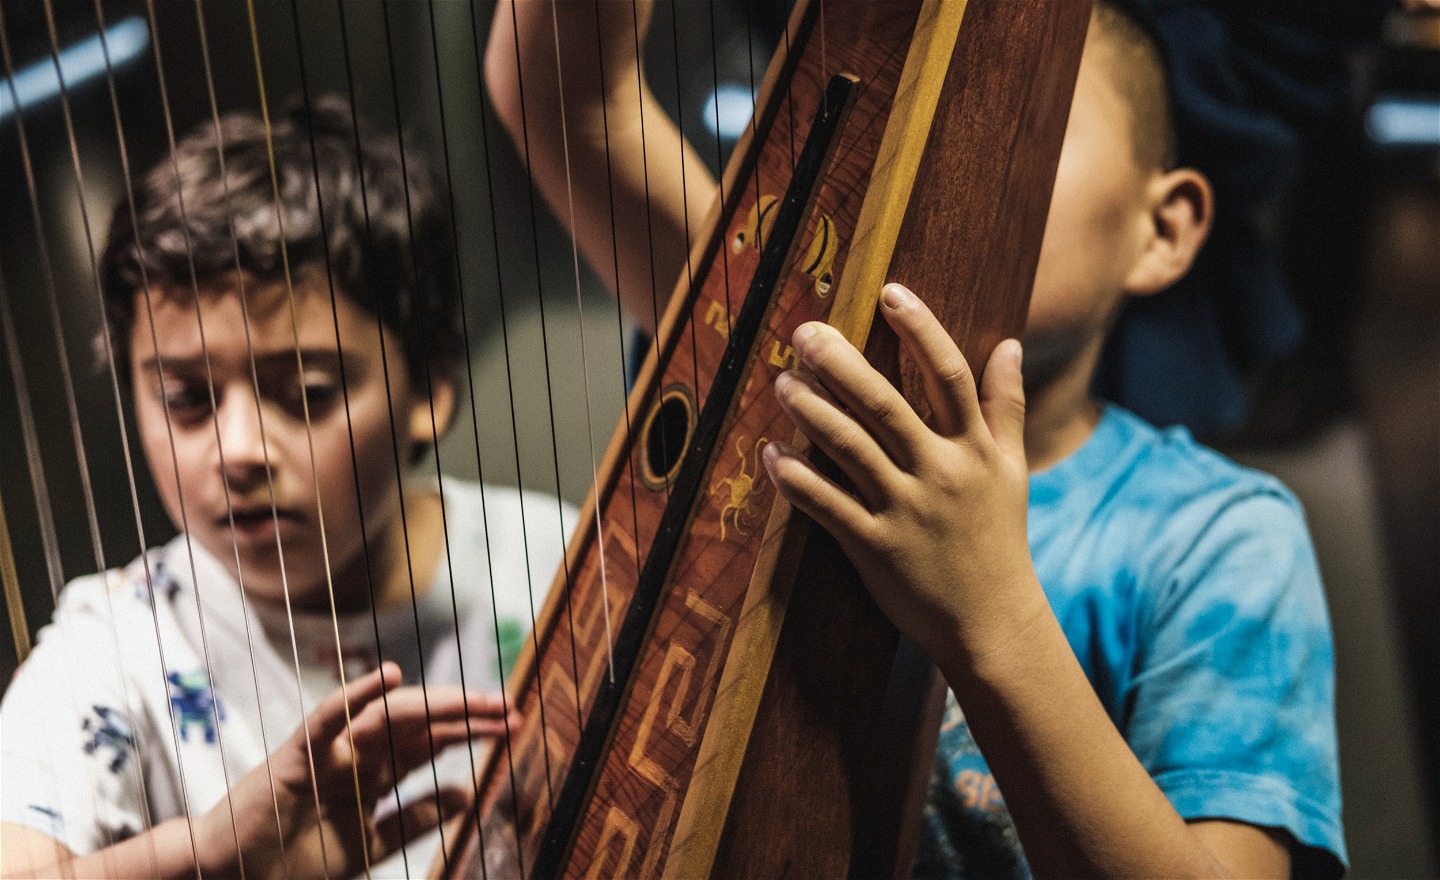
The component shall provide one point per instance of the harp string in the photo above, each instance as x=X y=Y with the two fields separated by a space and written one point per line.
x=369 y=234
x=585 y=377
x=684 y=188
x=475 y=427
x=68 y=384
x=38 y=484
x=620 y=322
x=309 y=437
x=14 y=604
x=540 y=298
x=505 y=349
x=210 y=389
x=69 y=388
x=429 y=391
x=14 y=601
x=250 y=355
x=345 y=397
x=720 y=157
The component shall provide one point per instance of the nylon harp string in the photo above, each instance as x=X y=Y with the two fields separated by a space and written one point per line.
x=209 y=383
x=39 y=483
x=345 y=400
x=369 y=234
x=434 y=427
x=310 y=444
x=229 y=507
x=620 y=320
x=68 y=386
x=584 y=358
x=469 y=372
x=505 y=349
x=550 y=411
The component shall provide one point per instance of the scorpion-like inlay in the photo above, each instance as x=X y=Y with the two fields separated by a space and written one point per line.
x=741 y=487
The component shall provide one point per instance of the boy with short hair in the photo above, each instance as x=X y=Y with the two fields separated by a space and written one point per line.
x=285 y=372
x=1133 y=625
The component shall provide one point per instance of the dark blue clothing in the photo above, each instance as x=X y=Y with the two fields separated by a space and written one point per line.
x=1261 y=88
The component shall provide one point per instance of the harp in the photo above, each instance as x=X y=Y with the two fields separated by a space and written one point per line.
x=750 y=682
x=731 y=724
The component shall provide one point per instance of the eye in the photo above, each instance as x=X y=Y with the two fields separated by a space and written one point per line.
x=319 y=390
x=185 y=401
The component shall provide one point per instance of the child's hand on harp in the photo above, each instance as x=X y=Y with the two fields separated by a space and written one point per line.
x=934 y=517
x=310 y=810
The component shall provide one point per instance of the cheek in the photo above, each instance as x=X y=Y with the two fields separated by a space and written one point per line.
x=372 y=458
x=160 y=456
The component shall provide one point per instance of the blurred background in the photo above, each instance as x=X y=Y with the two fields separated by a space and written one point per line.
x=1325 y=370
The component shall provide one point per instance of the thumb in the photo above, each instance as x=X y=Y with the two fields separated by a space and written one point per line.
x=1002 y=398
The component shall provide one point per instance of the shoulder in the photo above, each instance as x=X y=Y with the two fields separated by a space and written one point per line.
x=1232 y=625
x=1183 y=502
x=1171 y=468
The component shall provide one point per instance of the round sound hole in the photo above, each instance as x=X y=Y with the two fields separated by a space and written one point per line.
x=666 y=435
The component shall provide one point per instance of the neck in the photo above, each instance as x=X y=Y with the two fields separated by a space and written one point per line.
x=1060 y=414
x=396 y=576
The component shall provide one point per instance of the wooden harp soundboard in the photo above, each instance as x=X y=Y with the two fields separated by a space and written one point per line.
x=754 y=714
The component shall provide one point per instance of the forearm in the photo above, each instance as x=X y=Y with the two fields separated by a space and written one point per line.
x=165 y=851
x=634 y=194
x=1082 y=803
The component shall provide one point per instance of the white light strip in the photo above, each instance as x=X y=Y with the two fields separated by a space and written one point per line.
x=1404 y=122
x=85 y=60
x=728 y=109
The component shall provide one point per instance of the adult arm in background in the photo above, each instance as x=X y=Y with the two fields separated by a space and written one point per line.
x=634 y=187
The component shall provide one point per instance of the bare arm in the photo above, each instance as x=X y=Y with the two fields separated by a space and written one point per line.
x=163 y=852
x=634 y=182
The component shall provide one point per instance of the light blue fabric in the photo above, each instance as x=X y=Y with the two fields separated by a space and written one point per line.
x=1188 y=589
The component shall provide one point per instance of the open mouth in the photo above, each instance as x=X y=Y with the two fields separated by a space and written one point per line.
x=253 y=519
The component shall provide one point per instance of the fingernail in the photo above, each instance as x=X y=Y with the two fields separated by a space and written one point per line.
x=773 y=452
x=802 y=333
x=895 y=295
x=1015 y=352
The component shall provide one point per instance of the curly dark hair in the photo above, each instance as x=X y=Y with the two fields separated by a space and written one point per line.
x=391 y=255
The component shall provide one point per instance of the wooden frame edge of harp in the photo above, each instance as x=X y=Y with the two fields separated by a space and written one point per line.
x=886 y=218
x=743 y=157
x=742 y=682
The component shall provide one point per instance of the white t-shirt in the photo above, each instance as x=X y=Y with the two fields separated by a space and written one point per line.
x=131 y=712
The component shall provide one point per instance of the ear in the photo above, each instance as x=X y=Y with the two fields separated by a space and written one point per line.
x=1181 y=209
x=429 y=417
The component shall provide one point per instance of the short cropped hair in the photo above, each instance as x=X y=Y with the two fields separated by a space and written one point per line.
x=391 y=255
x=1141 y=72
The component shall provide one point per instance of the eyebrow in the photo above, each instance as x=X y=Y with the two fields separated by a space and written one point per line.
x=328 y=357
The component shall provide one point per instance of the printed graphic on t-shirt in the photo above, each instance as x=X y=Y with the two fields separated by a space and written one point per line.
x=109 y=732
x=193 y=704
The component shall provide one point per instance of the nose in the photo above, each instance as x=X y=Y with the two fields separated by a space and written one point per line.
x=243 y=452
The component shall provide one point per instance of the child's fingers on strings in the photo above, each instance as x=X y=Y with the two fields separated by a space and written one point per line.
x=835 y=432
x=416 y=818
x=873 y=401
x=949 y=381
x=834 y=509
x=342 y=704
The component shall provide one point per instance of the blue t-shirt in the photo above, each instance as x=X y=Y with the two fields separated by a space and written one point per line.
x=1188 y=589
